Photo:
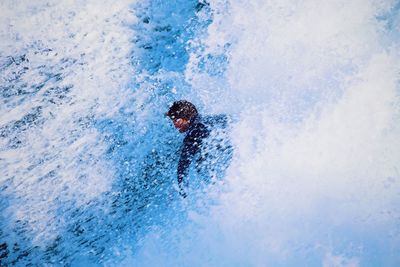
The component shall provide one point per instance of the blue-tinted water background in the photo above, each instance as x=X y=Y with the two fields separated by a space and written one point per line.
x=88 y=159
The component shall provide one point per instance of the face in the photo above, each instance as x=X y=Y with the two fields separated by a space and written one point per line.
x=181 y=124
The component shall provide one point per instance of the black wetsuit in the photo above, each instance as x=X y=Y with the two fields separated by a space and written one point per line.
x=191 y=146
x=199 y=130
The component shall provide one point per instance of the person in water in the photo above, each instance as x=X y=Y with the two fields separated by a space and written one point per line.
x=186 y=119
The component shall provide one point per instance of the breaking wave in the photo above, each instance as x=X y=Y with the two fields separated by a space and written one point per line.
x=88 y=160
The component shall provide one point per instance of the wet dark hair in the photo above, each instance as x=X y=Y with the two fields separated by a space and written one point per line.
x=182 y=109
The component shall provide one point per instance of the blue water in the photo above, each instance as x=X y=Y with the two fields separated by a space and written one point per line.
x=88 y=159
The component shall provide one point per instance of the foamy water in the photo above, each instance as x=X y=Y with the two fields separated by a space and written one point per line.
x=88 y=160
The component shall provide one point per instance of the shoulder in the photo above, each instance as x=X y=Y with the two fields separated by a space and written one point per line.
x=198 y=130
x=217 y=120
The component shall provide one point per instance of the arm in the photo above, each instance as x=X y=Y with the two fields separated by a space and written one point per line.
x=191 y=146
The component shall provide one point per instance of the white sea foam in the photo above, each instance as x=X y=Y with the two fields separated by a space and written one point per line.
x=312 y=87
x=87 y=44
x=315 y=178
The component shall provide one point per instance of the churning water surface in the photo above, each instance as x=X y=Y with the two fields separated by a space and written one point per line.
x=88 y=160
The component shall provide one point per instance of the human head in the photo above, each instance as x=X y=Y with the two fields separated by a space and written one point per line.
x=181 y=113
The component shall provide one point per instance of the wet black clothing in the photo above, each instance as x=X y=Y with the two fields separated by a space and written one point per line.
x=191 y=146
x=197 y=138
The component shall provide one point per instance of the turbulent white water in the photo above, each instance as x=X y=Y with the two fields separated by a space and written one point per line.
x=88 y=161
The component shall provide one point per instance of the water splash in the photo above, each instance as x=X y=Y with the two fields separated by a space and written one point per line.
x=315 y=177
x=88 y=161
